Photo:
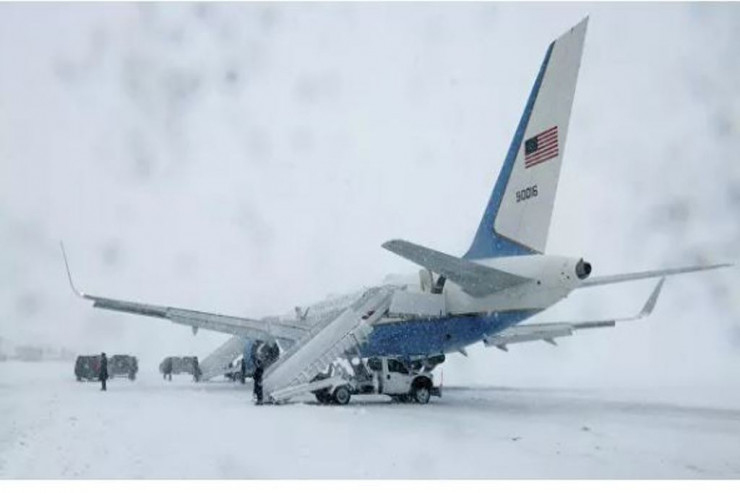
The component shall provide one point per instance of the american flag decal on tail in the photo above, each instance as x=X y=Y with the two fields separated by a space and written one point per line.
x=541 y=147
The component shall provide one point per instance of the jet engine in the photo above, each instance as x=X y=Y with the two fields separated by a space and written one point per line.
x=583 y=269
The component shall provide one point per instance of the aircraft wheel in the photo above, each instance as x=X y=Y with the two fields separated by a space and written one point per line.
x=341 y=395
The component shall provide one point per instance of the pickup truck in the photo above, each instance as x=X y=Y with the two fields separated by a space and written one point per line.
x=388 y=376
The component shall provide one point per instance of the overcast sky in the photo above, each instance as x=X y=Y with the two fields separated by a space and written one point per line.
x=244 y=159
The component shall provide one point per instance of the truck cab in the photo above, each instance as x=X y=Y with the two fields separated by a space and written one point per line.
x=398 y=380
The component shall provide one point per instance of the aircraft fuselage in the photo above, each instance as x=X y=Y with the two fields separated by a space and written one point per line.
x=465 y=319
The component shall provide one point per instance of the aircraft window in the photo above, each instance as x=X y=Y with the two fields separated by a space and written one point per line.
x=396 y=367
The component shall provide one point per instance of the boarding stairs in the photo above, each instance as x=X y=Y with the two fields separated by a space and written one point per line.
x=293 y=373
x=217 y=363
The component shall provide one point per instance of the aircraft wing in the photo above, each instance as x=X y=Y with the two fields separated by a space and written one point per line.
x=475 y=279
x=238 y=326
x=548 y=332
x=601 y=280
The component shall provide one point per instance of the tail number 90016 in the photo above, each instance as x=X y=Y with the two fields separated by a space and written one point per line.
x=526 y=193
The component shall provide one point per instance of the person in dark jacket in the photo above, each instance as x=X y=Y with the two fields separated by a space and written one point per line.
x=243 y=371
x=196 y=370
x=103 y=371
x=258 y=370
x=167 y=374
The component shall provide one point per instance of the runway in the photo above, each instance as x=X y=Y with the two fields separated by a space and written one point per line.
x=55 y=427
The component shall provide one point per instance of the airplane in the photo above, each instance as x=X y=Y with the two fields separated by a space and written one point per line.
x=485 y=295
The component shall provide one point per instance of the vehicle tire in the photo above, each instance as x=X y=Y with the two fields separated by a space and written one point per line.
x=421 y=394
x=79 y=378
x=323 y=396
x=341 y=395
x=132 y=376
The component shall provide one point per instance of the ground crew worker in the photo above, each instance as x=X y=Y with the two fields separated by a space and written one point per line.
x=167 y=374
x=103 y=371
x=196 y=370
x=258 y=370
x=243 y=371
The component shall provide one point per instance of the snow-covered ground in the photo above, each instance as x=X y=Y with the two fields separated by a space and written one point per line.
x=54 y=427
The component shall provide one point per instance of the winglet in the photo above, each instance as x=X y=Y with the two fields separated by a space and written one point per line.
x=650 y=304
x=69 y=275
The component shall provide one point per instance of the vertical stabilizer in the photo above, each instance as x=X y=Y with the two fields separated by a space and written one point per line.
x=517 y=218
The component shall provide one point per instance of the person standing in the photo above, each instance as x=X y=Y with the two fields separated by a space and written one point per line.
x=243 y=371
x=196 y=370
x=103 y=371
x=258 y=370
x=168 y=368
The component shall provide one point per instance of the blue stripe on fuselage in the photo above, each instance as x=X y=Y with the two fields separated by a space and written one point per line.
x=427 y=337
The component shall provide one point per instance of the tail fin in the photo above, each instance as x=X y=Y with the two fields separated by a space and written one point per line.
x=517 y=218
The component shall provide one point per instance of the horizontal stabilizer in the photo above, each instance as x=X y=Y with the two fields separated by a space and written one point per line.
x=475 y=279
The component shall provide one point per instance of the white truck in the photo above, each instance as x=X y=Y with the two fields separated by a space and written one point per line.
x=388 y=376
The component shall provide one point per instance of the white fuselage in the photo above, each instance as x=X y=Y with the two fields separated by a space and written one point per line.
x=553 y=278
